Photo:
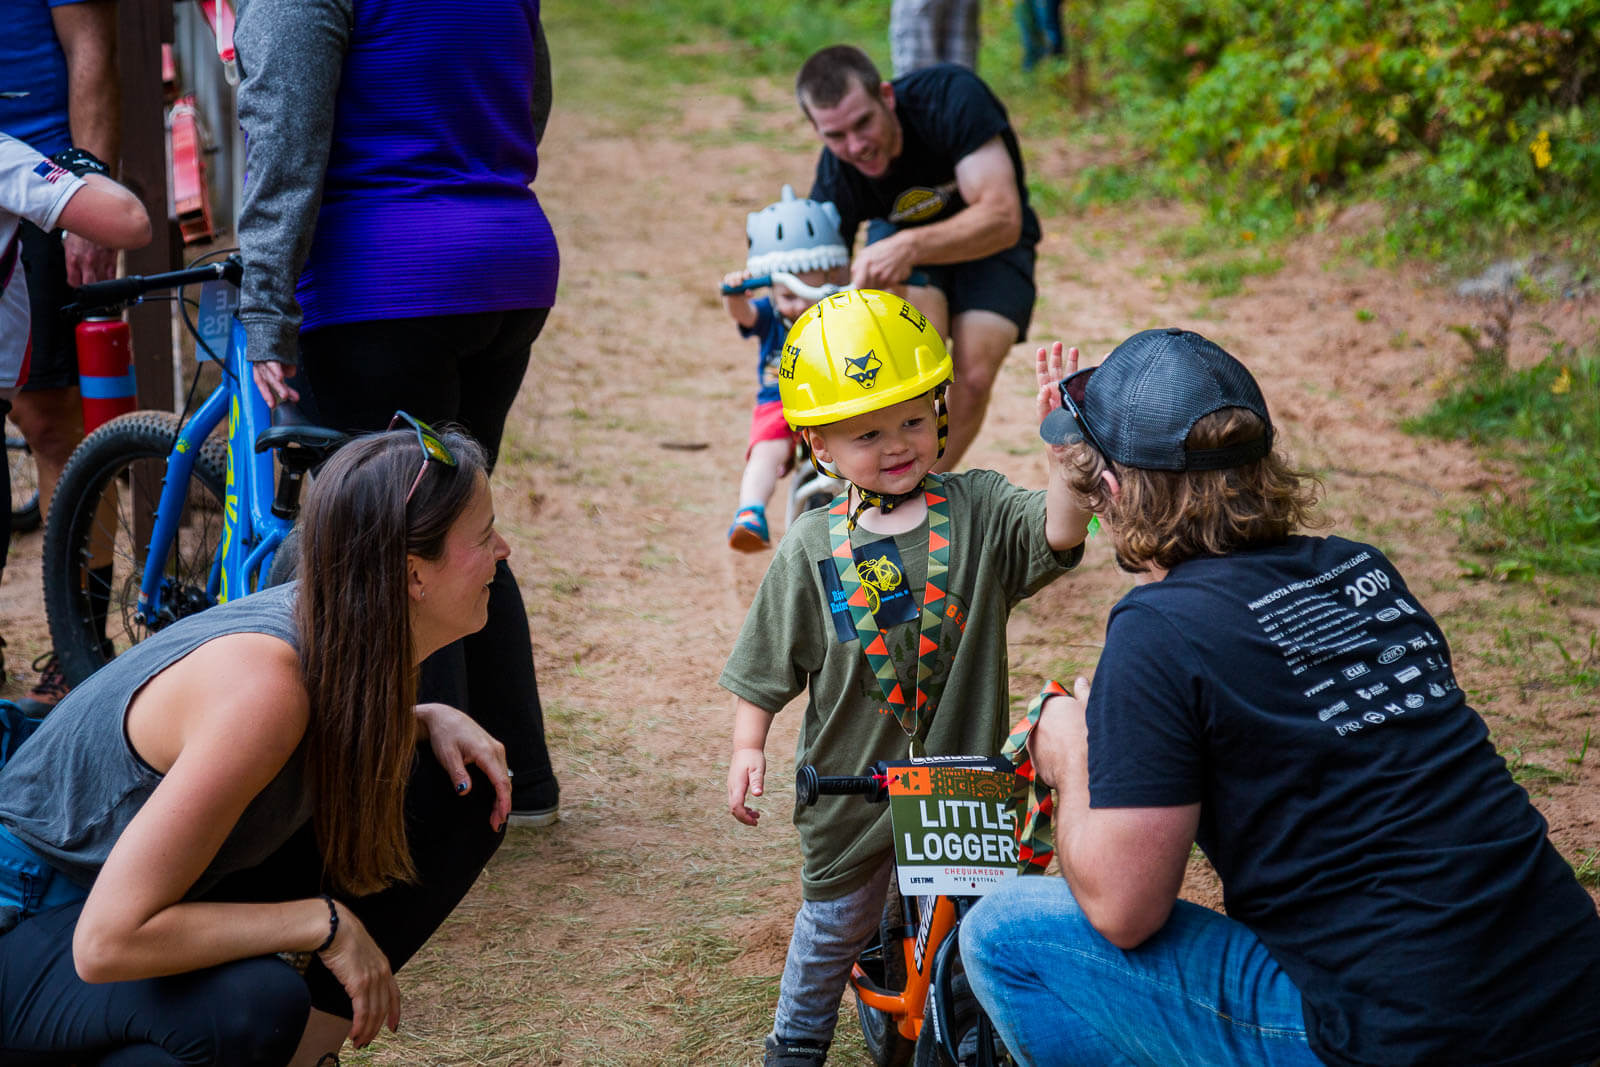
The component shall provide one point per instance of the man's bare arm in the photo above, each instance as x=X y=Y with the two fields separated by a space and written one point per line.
x=991 y=222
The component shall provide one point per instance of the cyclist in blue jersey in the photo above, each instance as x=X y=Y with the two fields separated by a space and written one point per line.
x=396 y=256
x=58 y=91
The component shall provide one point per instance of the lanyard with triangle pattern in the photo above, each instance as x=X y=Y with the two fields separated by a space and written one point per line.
x=1035 y=834
x=911 y=716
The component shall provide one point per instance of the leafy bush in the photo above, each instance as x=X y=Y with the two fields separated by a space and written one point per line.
x=1461 y=110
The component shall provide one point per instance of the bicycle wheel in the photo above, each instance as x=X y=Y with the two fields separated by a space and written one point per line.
x=98 y=533
x=884 y=962
x=885 y=1044
x=963 y=1017
x=24 y=482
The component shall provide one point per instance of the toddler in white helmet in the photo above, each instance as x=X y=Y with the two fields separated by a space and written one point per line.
x=801 y=238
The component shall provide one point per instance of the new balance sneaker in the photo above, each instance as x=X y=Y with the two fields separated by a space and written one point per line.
x=794 y=1052
x=749 y=530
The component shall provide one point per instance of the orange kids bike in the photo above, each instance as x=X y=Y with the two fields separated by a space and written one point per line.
x=912 y=996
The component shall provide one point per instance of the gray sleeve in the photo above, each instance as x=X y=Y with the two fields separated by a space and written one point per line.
x=541 y=82
x=291 y=54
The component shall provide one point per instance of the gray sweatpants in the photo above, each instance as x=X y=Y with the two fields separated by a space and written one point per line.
x=828 y=936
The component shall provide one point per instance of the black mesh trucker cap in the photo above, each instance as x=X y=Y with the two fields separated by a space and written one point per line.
x=1139 y=405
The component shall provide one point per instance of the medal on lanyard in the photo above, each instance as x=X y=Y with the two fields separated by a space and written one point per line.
x=912 y=715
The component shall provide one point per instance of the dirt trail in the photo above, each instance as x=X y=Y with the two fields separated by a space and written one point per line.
x=647 y=927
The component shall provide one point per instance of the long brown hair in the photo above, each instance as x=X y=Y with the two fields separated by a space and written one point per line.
x=355 y=641
x=1162 y=518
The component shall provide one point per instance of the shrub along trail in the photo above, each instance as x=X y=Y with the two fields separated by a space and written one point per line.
x=647 y=927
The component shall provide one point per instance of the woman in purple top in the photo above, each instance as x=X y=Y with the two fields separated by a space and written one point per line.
x=396 y=257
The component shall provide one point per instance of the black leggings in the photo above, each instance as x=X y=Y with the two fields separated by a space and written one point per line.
x=249 y=1012
x=464 y=370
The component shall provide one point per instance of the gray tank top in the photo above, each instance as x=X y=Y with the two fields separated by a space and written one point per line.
x=73 y=787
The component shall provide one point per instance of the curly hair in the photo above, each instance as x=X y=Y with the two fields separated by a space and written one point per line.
x=1161 y=518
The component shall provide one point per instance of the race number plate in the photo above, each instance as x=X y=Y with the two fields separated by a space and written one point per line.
x=955 y=830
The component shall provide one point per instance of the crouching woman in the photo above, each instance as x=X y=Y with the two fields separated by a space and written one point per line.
x=195 y=761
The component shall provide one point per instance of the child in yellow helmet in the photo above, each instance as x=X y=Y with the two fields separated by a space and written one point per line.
x=943 y=559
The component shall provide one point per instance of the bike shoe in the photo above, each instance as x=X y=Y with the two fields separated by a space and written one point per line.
x=794 y=1052
x=51 y=686
x=749 y=530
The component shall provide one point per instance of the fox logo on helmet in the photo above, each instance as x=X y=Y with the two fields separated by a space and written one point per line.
x=863 y=370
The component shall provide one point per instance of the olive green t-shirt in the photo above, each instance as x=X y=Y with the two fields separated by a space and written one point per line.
x=791 y=644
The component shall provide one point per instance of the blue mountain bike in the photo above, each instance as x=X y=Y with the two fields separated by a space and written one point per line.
x=156 y=516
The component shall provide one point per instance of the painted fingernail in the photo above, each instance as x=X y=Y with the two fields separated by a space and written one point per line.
x=461 y=787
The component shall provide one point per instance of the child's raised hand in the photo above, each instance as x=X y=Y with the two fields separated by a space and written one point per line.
x=1051 y=369
x=734 y=278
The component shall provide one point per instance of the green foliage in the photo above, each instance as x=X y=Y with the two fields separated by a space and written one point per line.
x=1466 y=115
x=1546 y=419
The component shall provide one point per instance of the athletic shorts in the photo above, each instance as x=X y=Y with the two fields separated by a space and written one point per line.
x=768 y=424
x=1001 y=283
x=54 y=362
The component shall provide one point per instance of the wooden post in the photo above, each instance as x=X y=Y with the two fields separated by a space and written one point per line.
x=142 y=27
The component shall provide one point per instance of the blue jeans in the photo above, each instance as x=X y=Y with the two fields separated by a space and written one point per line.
x=1203 y=990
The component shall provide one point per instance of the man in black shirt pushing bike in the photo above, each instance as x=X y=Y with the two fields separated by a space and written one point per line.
x=931 y=162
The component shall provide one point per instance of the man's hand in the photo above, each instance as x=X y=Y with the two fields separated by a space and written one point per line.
x=87 y=262
x=458 y=741
x=885 y=263
x=1060 y=742
x=269 y=375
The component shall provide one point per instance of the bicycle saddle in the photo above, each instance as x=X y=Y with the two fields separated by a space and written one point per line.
x=304 y=443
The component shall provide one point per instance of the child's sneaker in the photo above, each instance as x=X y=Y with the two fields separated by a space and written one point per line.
x=749 y=530
x=786 y=1052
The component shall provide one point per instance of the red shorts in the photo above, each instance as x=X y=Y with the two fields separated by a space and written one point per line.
x=768 y=424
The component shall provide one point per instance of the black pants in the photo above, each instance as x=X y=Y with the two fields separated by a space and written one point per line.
x=249 y=1012
x=463 y=370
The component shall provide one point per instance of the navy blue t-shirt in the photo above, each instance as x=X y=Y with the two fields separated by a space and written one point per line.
x=770 y=330
x=1351 y=801
x=946 y=113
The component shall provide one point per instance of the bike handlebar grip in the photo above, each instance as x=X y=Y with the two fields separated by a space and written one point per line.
x=809 y=785
x=115 y=291
x=760 y=282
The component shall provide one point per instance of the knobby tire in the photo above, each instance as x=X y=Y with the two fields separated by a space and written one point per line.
x=129 y=450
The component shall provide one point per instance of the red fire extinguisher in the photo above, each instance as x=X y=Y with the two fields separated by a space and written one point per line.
x=105 y=369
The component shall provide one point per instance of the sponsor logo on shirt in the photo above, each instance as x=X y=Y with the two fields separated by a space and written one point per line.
x=1392 y=653
x=920 y=203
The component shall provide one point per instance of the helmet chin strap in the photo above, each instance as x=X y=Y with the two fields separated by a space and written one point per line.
x=887 y=502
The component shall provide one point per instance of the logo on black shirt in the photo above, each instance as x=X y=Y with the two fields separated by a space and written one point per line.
x=920 y=203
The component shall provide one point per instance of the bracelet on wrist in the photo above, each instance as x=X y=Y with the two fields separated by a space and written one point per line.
x=333 y=925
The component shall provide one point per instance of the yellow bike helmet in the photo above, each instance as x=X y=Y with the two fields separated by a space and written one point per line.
x=855 y=352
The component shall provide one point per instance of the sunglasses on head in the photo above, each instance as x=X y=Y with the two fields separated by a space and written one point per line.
x=433 y=447
x=1072 y=394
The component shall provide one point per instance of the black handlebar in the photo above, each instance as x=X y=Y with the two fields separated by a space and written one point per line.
x=762 y=281
x=119 y=291
x=809 y=785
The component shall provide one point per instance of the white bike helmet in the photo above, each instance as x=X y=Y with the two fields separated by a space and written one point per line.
x=794 y=235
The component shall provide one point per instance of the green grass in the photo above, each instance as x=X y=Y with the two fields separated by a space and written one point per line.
x=1545 y=420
